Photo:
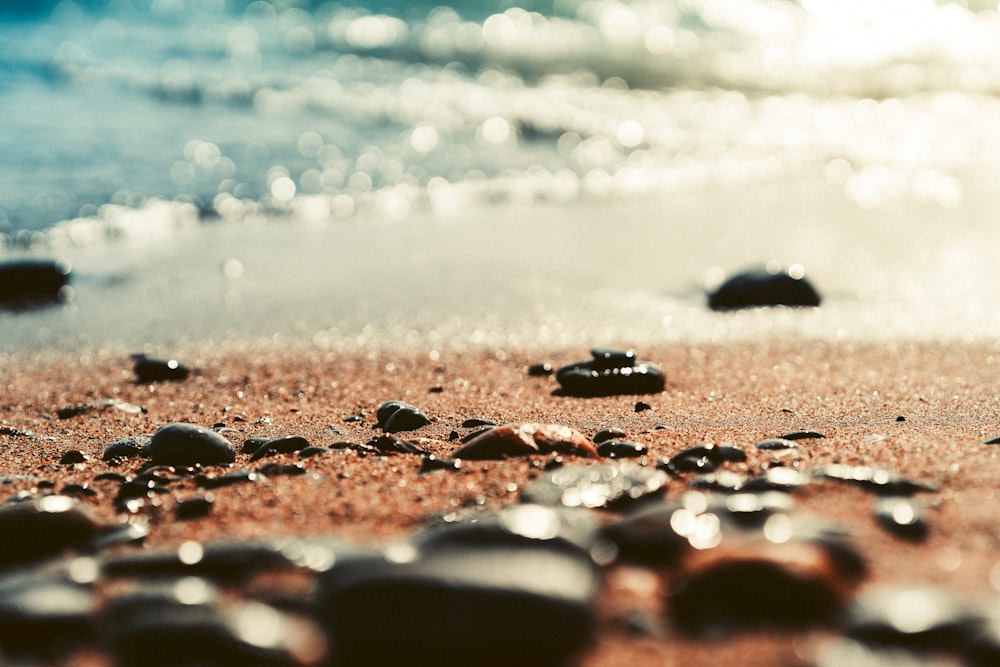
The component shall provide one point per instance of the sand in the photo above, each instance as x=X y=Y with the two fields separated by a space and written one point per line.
x=923 y=410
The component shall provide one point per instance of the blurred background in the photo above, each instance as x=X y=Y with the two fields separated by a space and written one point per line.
x=499 y=171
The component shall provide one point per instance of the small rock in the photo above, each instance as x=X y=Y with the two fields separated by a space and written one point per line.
x=313 y=450
x=149 y=370
x=609 y=434
x=432 y=462
x=44 y=527
x=620 y=449
x=540 y=369
x=396 y=416
x=33 y=283
x=765 y=287
x=697 y=458
x=921 y=618
x=642 y=406
x=877 y=480
x=284 y=445
x=282 y=469
x=93 y=406
x=801 y=435
x=72 y=457
x=610 y=373
x=229 y=479
x=44 y=614
x=125 y=448
x=525 y=439
x=596 y=486
x=194 y=508
x=901 y=517
x=542 y=579
x=477 y=422
x=189 y=444
x=776 y=444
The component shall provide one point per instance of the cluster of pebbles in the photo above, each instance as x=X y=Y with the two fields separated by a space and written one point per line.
x=732 y=551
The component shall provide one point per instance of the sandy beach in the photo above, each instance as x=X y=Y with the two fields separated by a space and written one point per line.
x=922 y=410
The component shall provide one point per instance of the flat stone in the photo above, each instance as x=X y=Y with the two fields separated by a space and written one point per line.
x=397 y=416
x=610 y=373
x=189 y=444
x=762 y=287
x=596 y=486
x=621 y=449
x=43 y=527
x=32 y=283
x=542 y=580
x=283 y=445
x=148 y=369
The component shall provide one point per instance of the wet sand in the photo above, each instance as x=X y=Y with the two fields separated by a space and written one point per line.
x=922 y=410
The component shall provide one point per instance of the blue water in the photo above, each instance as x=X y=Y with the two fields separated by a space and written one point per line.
x=835 y=132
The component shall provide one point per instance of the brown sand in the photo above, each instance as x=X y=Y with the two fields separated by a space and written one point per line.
x=741 y=393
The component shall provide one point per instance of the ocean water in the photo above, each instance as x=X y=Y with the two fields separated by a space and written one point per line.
x=492 y=172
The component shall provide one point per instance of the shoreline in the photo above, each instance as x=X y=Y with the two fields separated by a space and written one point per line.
x=738 y=393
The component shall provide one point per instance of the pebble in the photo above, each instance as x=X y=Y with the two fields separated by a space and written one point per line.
x=164 y=628
x=32 y=283
x=313 y=450
x=761 y=287
x=621 y=449
x=282 y=469
x=541 y=369
x=148 y=369
x=43 y=527
x=476 y=422
x=44 y=612
x=776 y=444
x=125 y=448
x=877 y=480
x=611 y=372
x=703 y=458
x=541 y=583
x=189 y=444
x=596 y=486
x=72 y=457
x=902 y=517
x=228 y=479
x=194 y=508
x=801 y=435
x=525 y=439
x=776 y=578
x=284 y=445
x=93 y=406
x=431 y=463
x=396 y=416
x=916 y=618
x=609 y=434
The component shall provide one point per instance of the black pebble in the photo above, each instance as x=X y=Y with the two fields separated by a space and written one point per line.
x=189 y=444
x=620 y=449
x=642 y=406
x=396 y=416
x=251 y=445
x=776 y=444
x=433 y=462
x=610 y=373
x=761 y=287
x=477 y=422
x=158 y=370
x=609 y=434
x=125 y=448
x=545 y=587
x=540 y=369
x=279 y=469
x=73 y=456
x=801 y=435
x=43 y=527
x=313 y=450
x=902 y=517
x=26 y=284
x=194 y=508
x=285 y=445
x=229 y=479
x=609 y=486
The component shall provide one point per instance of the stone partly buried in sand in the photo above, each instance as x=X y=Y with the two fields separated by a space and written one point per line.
x=512 y=588
x=513 y=440
x=188 y=445
x=769 y=286
x=611 y=372
x=148 y=369
x=397 y=416
x=32 y=283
